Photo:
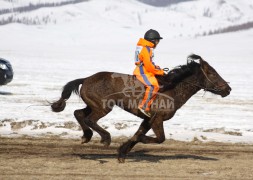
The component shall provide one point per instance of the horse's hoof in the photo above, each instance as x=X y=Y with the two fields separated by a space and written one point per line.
x=121 y=156
x=106 y=142
x=121 y=160
x=85 y=140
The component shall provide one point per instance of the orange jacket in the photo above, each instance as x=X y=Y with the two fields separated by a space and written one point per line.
x=144 y=59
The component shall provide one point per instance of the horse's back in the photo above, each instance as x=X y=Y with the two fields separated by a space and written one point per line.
x=105 y=83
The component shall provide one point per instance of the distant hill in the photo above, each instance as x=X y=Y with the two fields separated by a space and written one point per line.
x=186 y=18
x=162 y=3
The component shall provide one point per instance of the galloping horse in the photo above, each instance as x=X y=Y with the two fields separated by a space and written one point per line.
x=103 y=90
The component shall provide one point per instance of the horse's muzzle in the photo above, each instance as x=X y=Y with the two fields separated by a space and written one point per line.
x=226 y=91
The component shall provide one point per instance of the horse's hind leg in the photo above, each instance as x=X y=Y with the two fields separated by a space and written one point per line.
x=80 y=115
x=91 y=121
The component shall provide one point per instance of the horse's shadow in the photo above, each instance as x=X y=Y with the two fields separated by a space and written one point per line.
x=141 y=156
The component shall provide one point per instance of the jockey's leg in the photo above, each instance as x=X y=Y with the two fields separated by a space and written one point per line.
x=147 y=97
x=156 y=89
x=150 y=94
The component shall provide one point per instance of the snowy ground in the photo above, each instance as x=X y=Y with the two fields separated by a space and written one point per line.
x=45 y=57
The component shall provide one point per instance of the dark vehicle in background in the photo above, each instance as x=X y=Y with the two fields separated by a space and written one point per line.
x=6 y=72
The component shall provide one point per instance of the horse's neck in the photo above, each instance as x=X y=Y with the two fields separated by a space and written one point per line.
x=186 y=89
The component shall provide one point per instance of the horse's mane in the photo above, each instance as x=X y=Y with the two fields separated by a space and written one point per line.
x=177 y=74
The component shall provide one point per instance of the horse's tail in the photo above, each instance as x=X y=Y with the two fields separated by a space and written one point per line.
x=72 y=86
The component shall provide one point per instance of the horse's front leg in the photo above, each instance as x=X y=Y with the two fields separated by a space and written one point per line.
x=127 y=146
x=156 y=125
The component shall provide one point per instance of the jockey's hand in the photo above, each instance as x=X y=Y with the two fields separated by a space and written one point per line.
x=157 y=67
x=166 y=71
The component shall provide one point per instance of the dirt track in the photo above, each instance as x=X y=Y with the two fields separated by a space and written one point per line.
x=55 y=158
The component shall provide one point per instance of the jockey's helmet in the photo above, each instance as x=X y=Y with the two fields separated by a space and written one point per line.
x=151 y=35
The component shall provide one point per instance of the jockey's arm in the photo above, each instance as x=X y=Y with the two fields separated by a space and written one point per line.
x=144 y=56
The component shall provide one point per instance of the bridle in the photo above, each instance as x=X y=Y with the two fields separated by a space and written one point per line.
x=216 y=88
x=205 y=88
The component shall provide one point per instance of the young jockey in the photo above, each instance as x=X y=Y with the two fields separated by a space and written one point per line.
x=146 y=69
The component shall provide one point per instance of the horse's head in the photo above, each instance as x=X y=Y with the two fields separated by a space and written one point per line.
x=211 y=80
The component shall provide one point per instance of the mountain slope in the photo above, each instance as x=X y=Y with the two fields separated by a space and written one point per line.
x=190 y=18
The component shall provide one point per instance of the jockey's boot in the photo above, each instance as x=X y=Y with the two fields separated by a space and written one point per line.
x=146 y=113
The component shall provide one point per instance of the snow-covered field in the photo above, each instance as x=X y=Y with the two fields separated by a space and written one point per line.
x=100 y=35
